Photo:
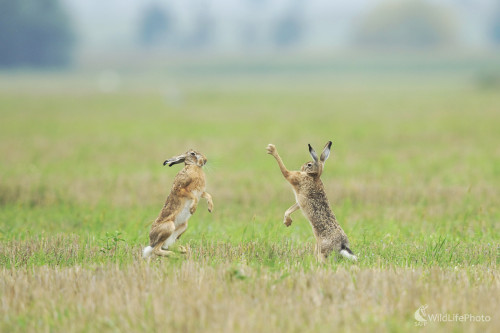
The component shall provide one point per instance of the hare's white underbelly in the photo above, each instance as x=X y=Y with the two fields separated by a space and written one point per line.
x=295 y=193
x=180 y=219
x=300 y=200
x=185 y=214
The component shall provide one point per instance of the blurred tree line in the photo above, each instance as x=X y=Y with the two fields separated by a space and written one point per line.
x=495 y=26
x=154 y=26
x=34 y=33
x=407 y=24
x=387 y=24
x=39 y=33
x=157 y=27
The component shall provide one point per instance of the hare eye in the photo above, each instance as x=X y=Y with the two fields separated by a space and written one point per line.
x=192 y=154
x=309 y=164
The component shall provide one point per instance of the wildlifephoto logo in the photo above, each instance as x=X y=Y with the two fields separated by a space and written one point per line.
x=422 y=317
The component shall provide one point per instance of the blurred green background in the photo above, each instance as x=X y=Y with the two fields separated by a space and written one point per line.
x=95 y=96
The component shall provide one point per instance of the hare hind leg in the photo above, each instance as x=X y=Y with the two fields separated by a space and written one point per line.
x=180 y=230
x=320 y=256
x=324 y=248
x=162 y=253
x=175 y=236
x=159 y=235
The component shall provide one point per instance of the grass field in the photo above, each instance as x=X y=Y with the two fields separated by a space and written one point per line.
x=413 y=179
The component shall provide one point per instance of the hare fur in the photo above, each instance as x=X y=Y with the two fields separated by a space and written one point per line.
x=187 y=189
x=311 y=198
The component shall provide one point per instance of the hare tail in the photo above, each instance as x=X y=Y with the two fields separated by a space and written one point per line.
x=146 y=253
x=347 y=253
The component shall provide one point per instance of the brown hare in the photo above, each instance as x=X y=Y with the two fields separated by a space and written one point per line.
x=311 y=198
x=187 y=189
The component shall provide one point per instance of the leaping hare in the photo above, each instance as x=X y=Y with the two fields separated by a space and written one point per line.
x=310 y=196
x=187 y=189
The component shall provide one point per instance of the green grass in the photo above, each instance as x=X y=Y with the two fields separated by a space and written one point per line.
x=414 y=181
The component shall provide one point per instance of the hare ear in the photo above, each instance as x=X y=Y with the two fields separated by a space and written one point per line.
x=175 y=160
x=313 y=153
x=326 y=152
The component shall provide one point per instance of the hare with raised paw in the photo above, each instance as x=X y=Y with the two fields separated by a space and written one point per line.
x=311 y=198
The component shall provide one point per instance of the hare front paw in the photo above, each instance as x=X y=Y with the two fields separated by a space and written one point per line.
x=192 y=209
x=271 y=149
x=287 y=221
